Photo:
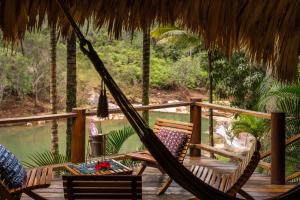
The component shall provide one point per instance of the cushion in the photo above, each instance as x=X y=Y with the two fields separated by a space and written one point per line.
x=11 y=170
x=173 y=139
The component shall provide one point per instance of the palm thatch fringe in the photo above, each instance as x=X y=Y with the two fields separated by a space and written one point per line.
x=269 y=30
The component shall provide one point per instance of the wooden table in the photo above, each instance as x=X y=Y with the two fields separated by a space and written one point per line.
x=122 y=169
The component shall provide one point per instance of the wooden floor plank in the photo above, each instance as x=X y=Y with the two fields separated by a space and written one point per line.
x=258 y=186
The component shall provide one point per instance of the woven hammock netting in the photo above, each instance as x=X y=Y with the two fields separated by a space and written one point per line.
x=166 y=160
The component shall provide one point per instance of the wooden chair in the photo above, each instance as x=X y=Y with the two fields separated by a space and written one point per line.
x=148 y=160
x=231 y=183
x=102 y=187
x=36 y=178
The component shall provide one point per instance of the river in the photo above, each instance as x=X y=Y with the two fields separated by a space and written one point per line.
x=26 y=140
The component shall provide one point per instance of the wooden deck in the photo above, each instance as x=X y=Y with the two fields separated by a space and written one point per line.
x=258 y=186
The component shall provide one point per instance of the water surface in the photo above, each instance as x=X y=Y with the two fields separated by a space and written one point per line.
x=26 y=140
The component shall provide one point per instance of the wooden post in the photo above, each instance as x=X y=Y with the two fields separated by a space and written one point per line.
x=195 y=118
x=78 y=136
x=278 y=148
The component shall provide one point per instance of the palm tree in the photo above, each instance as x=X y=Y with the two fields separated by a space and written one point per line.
x=146 y=72
x=71 y=88
x=54 y=133
x=210 y=99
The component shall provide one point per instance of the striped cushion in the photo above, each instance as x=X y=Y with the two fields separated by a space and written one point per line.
x=173 y=139
x=11 y=170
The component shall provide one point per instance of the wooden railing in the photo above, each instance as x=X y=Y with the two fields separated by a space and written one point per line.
x=234 y=110
x=277 y=138
x=144 y=108
x=36 y=118
x=287 y=142
x=196 y=106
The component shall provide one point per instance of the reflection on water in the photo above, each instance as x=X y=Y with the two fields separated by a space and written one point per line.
x=26 y=140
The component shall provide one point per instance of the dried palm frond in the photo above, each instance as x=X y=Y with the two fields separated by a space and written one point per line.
x=269 y=30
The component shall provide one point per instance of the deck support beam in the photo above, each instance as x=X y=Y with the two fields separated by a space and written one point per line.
x=78 y=136
x=278 y=148
x=195 y=118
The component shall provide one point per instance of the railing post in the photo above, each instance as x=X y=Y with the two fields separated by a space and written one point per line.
x=278 y=148
x=78 y=136
x=195 y=118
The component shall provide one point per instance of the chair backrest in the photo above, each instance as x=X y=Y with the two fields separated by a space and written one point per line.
x=184 y=127
x=102 y=187
x=244 y=170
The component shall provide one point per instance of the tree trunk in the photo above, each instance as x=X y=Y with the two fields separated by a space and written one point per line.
x=53 y=91
x=71 y=88
x=146 y=72
x=210 y=99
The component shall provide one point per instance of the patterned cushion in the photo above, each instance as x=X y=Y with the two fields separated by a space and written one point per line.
x=11 y=170
x=173 y=139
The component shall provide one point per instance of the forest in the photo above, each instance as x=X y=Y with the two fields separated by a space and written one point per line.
x=178 y=62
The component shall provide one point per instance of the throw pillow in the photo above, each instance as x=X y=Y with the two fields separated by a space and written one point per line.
x=11 y=170
x=173 y=139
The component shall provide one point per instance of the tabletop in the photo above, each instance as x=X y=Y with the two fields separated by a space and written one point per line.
x=90 y=169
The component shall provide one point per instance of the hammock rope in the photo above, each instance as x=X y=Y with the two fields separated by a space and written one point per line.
x=166 y=160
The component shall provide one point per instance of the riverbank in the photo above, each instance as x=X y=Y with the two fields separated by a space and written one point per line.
x=26 y=106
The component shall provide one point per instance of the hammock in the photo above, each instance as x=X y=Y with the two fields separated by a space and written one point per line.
x=166 y=160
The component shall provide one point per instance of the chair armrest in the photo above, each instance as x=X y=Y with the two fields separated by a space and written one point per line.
x=264 y=165
x=214 y=150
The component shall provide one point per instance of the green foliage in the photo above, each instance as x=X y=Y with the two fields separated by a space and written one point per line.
x=173 y=36
x=13 y=72
x=283 y=98
x=44 y=159
x=256 y=126
x=177 y=61
x=237 y=79
x=187 y=72
x=25 y=70
x=116 y=139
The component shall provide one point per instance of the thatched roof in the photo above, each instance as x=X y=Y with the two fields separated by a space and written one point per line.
x=268 y=29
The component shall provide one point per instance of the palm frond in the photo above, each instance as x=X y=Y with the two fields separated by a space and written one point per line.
x=284 y=98
x=158 y=32
x=45 y=158
x=175 y=36
x=255 y=126
x=116 y=139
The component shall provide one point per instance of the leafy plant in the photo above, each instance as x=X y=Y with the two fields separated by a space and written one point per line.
x=116 y=139
x=253 y=125
x=237 y=79
x=45 y=158
x=279 y=97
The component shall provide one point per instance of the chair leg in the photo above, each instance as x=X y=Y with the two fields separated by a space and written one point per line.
x=34 y=195
x=165 y=186
x=142 y=168
x=245 y=194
